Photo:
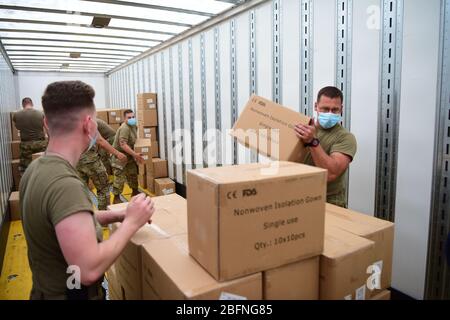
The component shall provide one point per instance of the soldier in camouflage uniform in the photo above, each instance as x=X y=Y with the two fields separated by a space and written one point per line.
x=108 y=134
x=91 y=166
x=30 y=123
x=126 y=171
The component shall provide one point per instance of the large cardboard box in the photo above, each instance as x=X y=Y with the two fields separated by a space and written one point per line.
x=151 y=184
x=343 y=265
x=253 y=129
x=148 y=117
x=146 y=101
x=114 y=287
x=14 y=206
x=15 y=134
x=253 y=217
x=142 y=180
x=164 y=186
x=381 y=232
x=383 y=295
x=155 y=149
x=36 y=155
x=15 y=149
x=149 y=133
x=102 y=114
x=115 y=116
x=144 y=147
x=169 y=272
x=16 y=173
x=158 y=168
x=295 y=281
x=169 y=219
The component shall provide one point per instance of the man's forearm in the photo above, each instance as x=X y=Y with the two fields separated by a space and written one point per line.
x=103 y=143
x=323 y=160
x=125 y=147
x=105 y=217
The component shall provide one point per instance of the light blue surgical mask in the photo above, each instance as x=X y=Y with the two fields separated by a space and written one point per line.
x=92 y=140
x=132 y=122
x=328 y=120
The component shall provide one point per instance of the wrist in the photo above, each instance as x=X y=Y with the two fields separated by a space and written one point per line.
x=313 y=143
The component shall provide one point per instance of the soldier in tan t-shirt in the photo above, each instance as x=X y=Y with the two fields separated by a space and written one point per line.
x=66 y=253
x=330 y=145
x=30 y=123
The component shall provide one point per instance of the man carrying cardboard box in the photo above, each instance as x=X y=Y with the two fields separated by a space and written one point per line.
x=30 y=123
x=330 y=145
x=65 y=249
x=90 y=165
x=126 y=171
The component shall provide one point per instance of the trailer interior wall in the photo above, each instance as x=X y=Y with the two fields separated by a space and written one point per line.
x=33 y=83
x=7 y=104
x=194 y=80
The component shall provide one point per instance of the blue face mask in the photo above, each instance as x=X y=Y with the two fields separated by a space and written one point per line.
x=328 y=120
x=92 y=140
x=132 y=122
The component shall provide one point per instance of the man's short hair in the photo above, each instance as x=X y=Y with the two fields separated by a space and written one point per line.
x=26 y=101
x=127 y=111
x=330 y=92
x=63 y=101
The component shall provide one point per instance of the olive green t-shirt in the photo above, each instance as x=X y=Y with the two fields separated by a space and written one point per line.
x=50 y=190
x=92 y=155
x=336 y=139
x=128 y=134
x=105 y=130
x=30 y=122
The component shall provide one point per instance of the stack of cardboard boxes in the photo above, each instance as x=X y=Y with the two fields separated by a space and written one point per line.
x=15 y=153
x=258 y=231
x=153 y=174
x=114 y=117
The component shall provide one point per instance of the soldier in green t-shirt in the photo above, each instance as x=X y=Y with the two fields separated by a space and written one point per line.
x=330 y=145
x=127 y=170
x=66 y=253
x=30 y=123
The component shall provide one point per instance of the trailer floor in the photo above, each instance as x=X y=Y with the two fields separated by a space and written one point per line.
x=15 y=278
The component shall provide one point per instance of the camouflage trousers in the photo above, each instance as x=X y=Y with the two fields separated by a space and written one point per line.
x=338 y=199
x=124 y=173
x=97 y=173
x=27 y=148
x=105 y=157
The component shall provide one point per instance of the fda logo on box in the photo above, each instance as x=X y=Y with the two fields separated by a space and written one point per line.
x=245 y=193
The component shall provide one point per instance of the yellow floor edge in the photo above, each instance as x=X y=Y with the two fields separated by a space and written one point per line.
x=15 y=279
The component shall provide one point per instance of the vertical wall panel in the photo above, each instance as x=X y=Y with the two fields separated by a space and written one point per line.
x=415 y=145
x=365 y=87
x=210 y=100
x=196 y=68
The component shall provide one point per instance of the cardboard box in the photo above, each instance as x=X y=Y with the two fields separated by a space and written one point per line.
x=170 y=273
x=252 y=129
x=164 y=186
x=114 y=287
x=155 y=149
x=377 y=230
x=169 y=219
x=16 y=173
x=115 y=116
x=142 y=179
x=103 y=115
x=343 y=265
x=142 y=169
x=383 y=295
x=295 y=281
x=14 y=206
x=144 y=147
x=37 y=155
x=15 y=149
x=146 y=101
x=151 y=184
x=158 y=168
x=253 y=217
x=148 y=133
x=15 y=134
x=148 y=117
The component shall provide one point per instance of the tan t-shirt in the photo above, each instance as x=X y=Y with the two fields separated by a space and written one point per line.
x=128 y=134
x=105 y=130
x=50 y=190
x=30 y=122
x=336 y=139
